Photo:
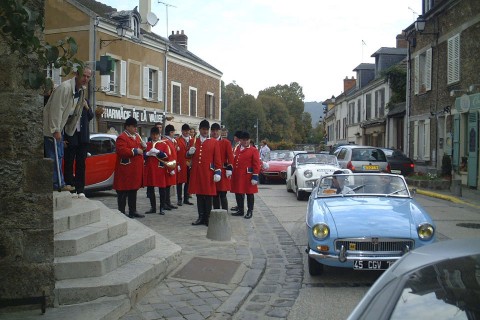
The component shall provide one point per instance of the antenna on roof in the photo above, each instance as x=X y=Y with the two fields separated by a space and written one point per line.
x=414 y=13
x=166 y=10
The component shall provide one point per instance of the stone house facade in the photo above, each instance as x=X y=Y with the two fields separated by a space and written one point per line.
x=443 y=96
x=154 y=79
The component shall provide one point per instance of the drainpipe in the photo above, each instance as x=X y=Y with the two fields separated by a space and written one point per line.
x=165 y=99
x=406 y=143
x=93 y=99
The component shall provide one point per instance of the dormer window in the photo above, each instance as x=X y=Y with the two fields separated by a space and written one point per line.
x=136 y=27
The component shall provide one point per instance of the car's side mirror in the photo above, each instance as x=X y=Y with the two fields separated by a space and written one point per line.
x=413 y=191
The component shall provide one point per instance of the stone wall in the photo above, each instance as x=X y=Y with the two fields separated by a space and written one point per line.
x=26 y=207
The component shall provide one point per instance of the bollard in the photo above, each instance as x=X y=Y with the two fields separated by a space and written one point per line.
x=219 y=226
x=456 y=187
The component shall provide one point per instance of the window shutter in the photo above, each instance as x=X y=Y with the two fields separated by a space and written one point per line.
x=105 y=83
x=453 y=59
x=426 y=151
x=428 y=70
x=415 y=140
x=206 y=106
x=145 y=82
x=456 y=141
x=123 y=77
x=213 y=107
x=416 y=75
x=160 y=86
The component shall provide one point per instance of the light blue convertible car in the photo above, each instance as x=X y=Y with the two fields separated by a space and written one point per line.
x=363 y=222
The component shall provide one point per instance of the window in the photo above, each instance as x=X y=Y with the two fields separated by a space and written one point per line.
x=152 y=84
x=427 y=5
x=423 y=72
x=176 y=97
x=193 y=102
x=359 y=110
x=344 y=131
x=337 y=130
x=209 y=106
x=351 y=112
x=116 y=81
x=453 y=59
x=368 y=106
x=421 y=140
x=380 y=103
x=136 y=27
x=55 y=74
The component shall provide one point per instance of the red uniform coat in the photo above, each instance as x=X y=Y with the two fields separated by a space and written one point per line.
x=172 y=155
x=246 y=165
x=182 y=148
x=129 y=165
x=205 y=162
x=226 y=155
x=154 y=171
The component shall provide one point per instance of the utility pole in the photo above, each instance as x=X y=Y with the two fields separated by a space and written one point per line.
x=166 y=10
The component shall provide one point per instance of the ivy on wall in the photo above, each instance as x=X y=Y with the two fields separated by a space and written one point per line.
x=19 y=28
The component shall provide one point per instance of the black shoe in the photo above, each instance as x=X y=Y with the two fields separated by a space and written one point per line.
x=161 y=212
x=238 y=213
x=198 y=222
x=136 y=215
x=248 y=215
x=167 y=207
x=188 y=202
x=179 y=203
x=234 y=208
x=172 y=206
x=152 y=210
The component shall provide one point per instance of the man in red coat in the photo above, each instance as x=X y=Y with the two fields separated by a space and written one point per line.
x=171 y=173
x=155 y=167
x=226 y=155
x=183 y=164
x=246 y=168
x=129 y=168
x=236 y=145
x=205 y=172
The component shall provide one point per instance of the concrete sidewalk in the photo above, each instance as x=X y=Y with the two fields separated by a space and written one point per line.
x=469 y=197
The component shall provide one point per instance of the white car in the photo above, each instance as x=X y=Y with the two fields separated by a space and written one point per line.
x=306 y=169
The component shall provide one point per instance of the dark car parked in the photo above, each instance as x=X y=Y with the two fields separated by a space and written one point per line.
x=399 y=162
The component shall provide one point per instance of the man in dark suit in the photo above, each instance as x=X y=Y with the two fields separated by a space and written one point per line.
x=76 y=151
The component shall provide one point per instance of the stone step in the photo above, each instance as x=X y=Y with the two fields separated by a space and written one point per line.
x=100 y=309
x=108 y=256
x=73 y=242
x=82 y=212
x=61 y=200
x=133 y=279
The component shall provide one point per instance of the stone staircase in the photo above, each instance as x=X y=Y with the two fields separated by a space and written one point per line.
x=104 y=261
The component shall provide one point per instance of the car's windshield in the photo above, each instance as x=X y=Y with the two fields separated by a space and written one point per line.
x=316 y=158
x=279 y=156
x=368 y=154
x=362 y=184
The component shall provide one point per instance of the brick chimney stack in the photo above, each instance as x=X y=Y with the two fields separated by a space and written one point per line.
x=179 y=38
x=349 y=84
x=402 y=41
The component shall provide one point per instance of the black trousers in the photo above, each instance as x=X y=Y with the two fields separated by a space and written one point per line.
x=220 y=200
x=182 y=189
x=241 y=199
x=123 y=196
x=162 y=192
x=167 y=196
x=204 y=206
x=77 y=154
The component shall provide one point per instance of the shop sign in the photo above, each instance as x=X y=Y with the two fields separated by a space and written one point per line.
x=122 y=113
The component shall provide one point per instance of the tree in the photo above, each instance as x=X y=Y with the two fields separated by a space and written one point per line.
x=242 y=114
x=306 y=127
x=230 y=93
x=278 y=127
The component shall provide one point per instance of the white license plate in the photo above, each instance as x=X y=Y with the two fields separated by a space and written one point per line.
x=396 y=171
x=371 y=265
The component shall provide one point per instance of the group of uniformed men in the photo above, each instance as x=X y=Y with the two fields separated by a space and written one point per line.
x=204 y=165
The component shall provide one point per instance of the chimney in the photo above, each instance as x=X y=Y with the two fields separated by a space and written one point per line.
x=349 y=83
x=179 y=38
x=145 y=8
x=401 y=41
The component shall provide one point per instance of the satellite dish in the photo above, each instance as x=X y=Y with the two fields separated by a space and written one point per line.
x=152 y=19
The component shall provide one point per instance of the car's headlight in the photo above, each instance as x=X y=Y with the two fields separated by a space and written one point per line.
x=425 y=231
x=308 y=174
x=320 y=231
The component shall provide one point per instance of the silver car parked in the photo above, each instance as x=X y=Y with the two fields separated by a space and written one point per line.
x=362 y=158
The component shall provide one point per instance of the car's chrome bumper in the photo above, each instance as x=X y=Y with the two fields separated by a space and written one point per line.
x=344 y=258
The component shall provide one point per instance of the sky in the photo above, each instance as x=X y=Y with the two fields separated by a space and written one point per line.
x=262 y=43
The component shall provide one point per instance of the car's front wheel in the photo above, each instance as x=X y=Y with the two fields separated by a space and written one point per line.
x=314 y=267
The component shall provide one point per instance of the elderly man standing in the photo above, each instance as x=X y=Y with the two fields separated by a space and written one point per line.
x=65 y=104
x=128 y=177
x=246 y=168
x=205 y=172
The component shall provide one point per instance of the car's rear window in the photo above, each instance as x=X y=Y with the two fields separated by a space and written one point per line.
x=373 y=155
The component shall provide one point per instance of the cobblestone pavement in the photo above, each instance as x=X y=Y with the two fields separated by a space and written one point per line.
x=264 y=286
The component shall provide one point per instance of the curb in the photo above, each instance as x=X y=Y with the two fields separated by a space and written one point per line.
x=445 y=197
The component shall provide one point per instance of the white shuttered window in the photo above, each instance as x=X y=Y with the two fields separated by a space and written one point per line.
x=453 y=59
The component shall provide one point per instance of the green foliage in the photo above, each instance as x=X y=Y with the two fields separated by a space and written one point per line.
x=282 y=145
x=397 y=78
x=19 y=27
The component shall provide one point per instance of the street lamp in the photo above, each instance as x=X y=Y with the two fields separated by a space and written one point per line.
x=256 y=126
x=121 y=32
